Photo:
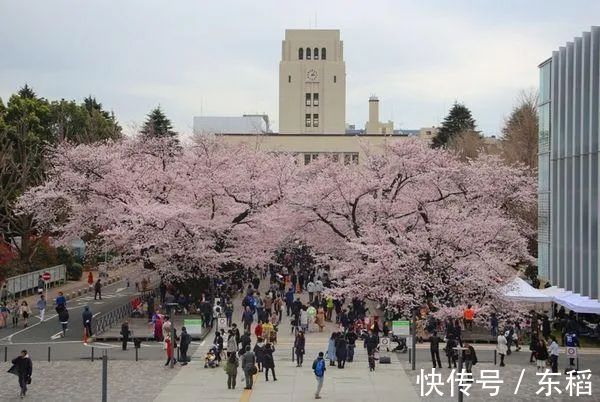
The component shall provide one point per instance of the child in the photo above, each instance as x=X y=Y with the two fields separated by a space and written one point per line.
x=372 y=362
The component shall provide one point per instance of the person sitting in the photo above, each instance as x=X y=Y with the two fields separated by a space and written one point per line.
x=210 y=360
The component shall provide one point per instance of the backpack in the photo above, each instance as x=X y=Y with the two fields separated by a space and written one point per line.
x=320 y=368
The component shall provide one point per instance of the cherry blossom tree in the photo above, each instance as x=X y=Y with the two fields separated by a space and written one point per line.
x=183 y=210
x=414 y=226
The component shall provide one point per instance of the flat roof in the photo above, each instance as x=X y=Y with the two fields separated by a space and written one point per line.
x=311 y=135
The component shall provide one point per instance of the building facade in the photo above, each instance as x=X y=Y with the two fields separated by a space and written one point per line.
x=312 y=82
x=568 y=191
x=374 y=126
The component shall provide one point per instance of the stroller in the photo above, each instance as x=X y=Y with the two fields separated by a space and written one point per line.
x=210 y=360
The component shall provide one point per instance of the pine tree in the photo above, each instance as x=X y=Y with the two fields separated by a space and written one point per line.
x=459 y=120
x=27 y=92
x=157 y=125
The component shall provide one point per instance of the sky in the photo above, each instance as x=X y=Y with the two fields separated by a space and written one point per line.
x=222 y=57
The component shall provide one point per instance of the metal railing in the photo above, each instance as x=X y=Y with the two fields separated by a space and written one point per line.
x=107 y=320
x=29 y=281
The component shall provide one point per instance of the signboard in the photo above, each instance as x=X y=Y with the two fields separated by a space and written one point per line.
x=222 y=322
x=193 y=327
x=409 y=342
x=385 y=342
x=571 y=351
x=401 y=328
x=46 y=276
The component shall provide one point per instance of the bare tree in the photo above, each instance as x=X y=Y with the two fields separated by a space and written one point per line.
x=467 y=145
x=520 y=132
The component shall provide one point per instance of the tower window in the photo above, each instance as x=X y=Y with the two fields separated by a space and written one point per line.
x=307 y=53
x=316 y=120
x=323 y=54
x=315 y=99
x=316 y=53
x=289 y=78
x=307 y=120
x=334 y=79
x=307 y=99
x=300 y=54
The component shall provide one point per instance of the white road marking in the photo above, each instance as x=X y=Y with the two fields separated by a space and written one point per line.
x=202 y=344
x=96 y=314
x=102 y=345
x=56 y=336
x=120 y=290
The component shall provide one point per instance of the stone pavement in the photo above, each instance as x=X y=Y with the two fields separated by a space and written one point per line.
x=81 y=381
x=354 y=383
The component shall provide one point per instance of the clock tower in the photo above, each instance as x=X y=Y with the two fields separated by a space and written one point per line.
x=312 y=82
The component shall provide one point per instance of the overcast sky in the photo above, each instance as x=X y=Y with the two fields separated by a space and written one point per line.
x=222 y=57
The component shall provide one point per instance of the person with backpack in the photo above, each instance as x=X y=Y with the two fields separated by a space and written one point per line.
x=86 y=317
x=231 y=367
x=319 y=368
x=63 y=317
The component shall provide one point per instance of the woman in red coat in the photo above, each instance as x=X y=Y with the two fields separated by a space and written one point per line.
x=90 y=279
x=169 y=350
x=258 y=329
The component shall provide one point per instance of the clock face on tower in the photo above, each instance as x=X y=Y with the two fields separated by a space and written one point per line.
x=312 y=75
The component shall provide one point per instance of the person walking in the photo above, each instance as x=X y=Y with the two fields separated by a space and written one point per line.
x=469 y=357
x=541 y=355
x=501 y=347
x=231 y=367
x=41 y=306
x=554 y=352
x=247 y=318
x=320 y=319
x=185 y=340
x=533 y=343
x=310 y=287
x=25 y=311
x=451 y=343
x=434 y=348
x=90 y=279
x=41 y=285
x=15 y=310
x=351 y=336
x=269 y=362
x=341 y=350
x=319 y=368
x=331 y=349
x=249 y=366
x=299 y=345
x=232 y=347
x=98 y=289
x=63 y=318
x=169 y=350
x=87 y=320
x=259 y=352
x=61 y=301
x=125 y=334
x=23 y=368
x=245 y=341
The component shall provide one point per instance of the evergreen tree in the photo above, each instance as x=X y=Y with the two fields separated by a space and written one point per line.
x=26 y=92
x=157 y=125
x=459 y=120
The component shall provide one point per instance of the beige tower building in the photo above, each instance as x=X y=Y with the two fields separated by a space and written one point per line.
x=374 y=126
x=312 y=82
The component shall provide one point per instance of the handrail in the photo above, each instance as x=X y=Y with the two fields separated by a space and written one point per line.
x=107 y=320
x=29 y=281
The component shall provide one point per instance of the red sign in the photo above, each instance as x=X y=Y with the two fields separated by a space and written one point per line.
x=46 y=276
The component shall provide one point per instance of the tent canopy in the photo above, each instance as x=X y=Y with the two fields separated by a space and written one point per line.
x=573 y=301
x=519 y=290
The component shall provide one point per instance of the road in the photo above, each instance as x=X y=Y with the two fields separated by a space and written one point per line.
x=49 y=331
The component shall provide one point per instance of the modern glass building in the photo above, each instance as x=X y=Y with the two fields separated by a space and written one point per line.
x=568 y=194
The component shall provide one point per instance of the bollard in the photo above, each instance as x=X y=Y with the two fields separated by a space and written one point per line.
x=104 y=376
x=92 y=353
x=409 y=353
x=495 y=356
x=136 y=354
x=5 y=354
x=48 y=354
x=293 y=357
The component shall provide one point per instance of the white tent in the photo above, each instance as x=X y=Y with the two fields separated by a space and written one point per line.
x=573 y=301
x=519 y=290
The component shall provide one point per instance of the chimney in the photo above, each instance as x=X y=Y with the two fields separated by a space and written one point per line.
x=373 y=123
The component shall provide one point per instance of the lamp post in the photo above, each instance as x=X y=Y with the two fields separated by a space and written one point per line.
x=459 y=350
x=413 y=347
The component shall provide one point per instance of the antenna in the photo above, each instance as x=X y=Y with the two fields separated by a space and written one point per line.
x=315 y=19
